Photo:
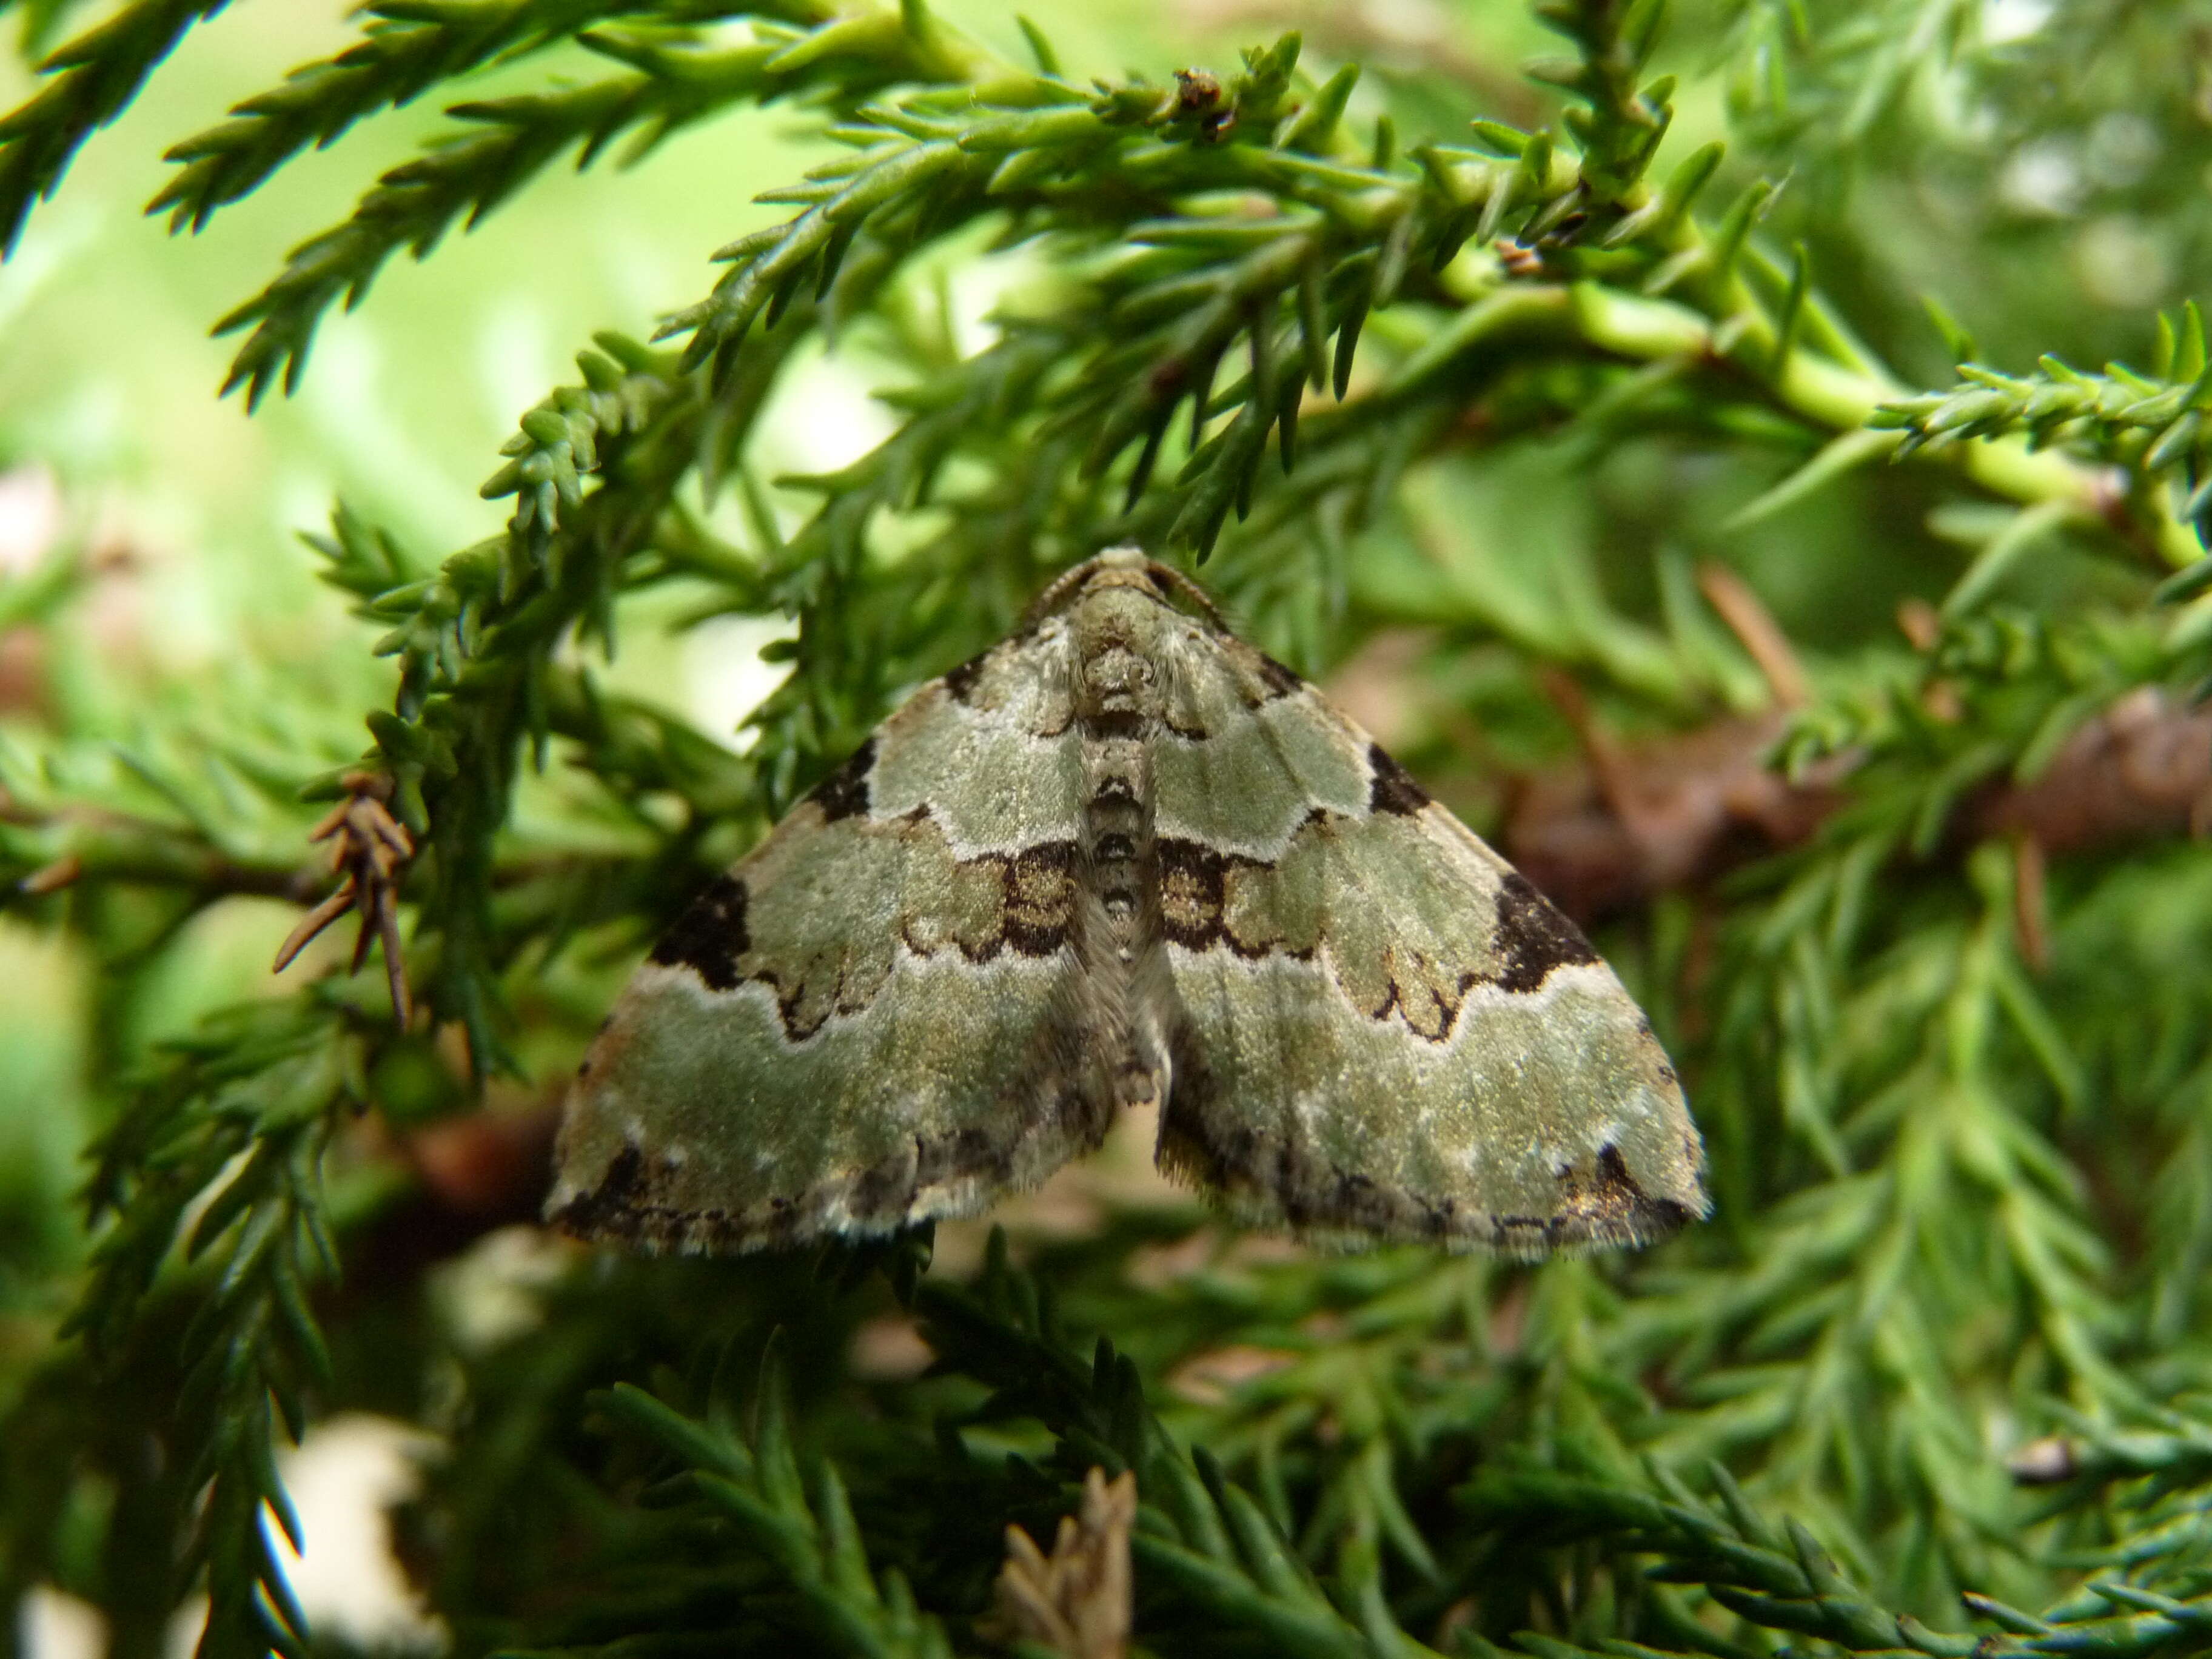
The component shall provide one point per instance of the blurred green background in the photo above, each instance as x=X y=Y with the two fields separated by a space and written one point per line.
x=115 y=447
x=2051 y=192
x=2053 y=210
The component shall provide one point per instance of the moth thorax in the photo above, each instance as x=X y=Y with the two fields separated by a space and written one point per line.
x=1117 y=638
x=1116 y=679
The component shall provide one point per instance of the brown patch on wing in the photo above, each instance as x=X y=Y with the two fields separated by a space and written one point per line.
x=1605 y=1202
x=1041 y=897
x=1023 y=901
x=1206 y=900
x=1210 y=899
x=1194 y=883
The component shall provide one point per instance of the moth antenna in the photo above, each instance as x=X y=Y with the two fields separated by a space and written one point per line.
x=1067 y=582
x=1167 y=576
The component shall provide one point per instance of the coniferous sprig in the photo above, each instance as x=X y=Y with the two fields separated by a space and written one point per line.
x=1843 y=1313
x=2171 y=1451
x=1622 y=122
x=2157 y=1475
x=744 y=1544
x=1205 y=1543
x=1230 y=1564
x=1838 y=1311
x=476 y=640
x=678 y=78
x=802 y=1529
x=1780 y=1579
x=193 y=817
x=217 y=1158
x=406 y=48
x=1828 y=78
x=2152 y=425
x=38 y=22
x=2030 y=682
x=93 y=80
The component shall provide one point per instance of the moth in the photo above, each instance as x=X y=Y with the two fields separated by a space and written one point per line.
x=1123 y=859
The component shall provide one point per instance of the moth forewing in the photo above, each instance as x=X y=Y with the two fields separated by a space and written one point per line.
x=1124 y=858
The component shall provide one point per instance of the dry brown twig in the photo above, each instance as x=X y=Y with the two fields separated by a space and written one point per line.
x=1632 y=822
x=1754 y=627
x=1629 y=821
x=1076 y=1602
x=370 y=851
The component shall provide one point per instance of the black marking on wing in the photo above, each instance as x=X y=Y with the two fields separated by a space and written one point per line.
x=1608 y=1203
x=1532 y=937
x=1281 y=682
x=1393 y=788
x=609 y=1208
x=844 y=792
x=710 y=937
x=960 y=682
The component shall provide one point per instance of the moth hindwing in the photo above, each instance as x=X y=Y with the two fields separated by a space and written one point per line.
x=1124 y=859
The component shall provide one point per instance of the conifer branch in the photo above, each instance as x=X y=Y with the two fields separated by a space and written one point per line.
x=678 y=79
x=476 y=685
x=218 y=1156
x=2151 y=427
x=1687 y=811
x=93 y=79
x=406 y=48
x=1780 y=1579
x=1620 y=126
x=169 y=818
x=803 y=1530
x=1947 y=1049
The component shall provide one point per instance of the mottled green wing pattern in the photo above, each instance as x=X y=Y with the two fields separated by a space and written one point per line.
x=1123 y=859
x=877 y=1018
x=1385 y=1031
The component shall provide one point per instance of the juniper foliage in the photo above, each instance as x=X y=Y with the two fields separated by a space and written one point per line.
x=1476 y=407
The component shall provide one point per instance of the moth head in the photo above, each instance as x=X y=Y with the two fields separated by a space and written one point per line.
x=1124 y=567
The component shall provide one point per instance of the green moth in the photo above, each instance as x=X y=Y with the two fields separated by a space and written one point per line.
x=1123 y=859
